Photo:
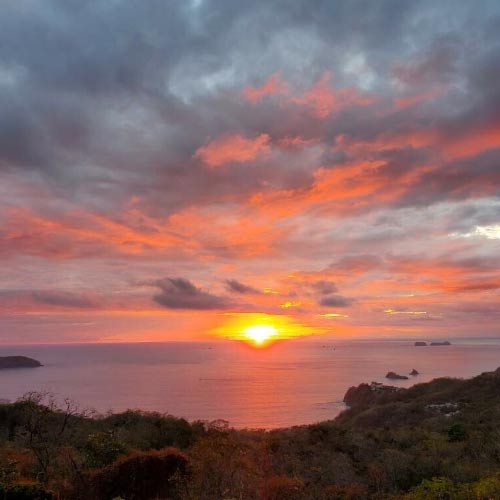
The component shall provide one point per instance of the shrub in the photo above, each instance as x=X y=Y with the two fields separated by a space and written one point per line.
x=281 y=488
x=349 y=492
x=488 y=487
x=457 y=432
x=24 y=492
x=138 y=476
x=102 y=448
x=440 y=488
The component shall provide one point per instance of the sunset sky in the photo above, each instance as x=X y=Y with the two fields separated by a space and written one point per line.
x=179 y=170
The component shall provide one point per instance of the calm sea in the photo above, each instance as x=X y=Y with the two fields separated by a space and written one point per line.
x=289 y=383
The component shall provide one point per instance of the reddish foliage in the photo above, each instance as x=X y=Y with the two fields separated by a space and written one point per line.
x=138 y=476
x=281 y=488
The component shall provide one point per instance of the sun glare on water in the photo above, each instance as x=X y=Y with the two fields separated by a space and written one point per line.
x=259 y=334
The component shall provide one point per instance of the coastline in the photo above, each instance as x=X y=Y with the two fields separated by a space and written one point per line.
x=233 y=383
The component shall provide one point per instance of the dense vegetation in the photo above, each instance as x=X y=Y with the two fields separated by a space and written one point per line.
x=439 y=440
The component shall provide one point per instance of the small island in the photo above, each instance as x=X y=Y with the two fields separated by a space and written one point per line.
x=420 y=344
x=440 y=343
x=396 y=376
x=7 y=362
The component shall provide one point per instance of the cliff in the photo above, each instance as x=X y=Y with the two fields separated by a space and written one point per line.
x=377 y=405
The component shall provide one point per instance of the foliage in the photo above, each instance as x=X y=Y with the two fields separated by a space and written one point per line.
x=102 y=448
x=44 y=428
x=457 y=432
x=8 y=471
x=439 y=440
x=282 y=488
x=224 y=465
x=434 y=489
x=24 y=492
x=138 y=476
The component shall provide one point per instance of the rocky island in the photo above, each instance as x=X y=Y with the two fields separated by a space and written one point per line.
x=18 y=362
x=396 y=376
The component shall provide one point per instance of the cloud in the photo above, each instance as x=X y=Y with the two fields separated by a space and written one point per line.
x=66 y=299
x=356 y=264
x=490 y=232
x=232 y=149
x=238 y=287
x=323 y=100
x=274 y=85
x=324 y=287
x=179 y=293
x=415 y=99
x=399 y=311
x=245 y=139
x=335 y=301
x=326 y=292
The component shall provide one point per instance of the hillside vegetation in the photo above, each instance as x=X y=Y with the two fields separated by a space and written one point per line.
x=438 y=440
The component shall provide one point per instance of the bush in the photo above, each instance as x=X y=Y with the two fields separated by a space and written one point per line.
x=102 y=448
x=349 y=492
x=24 y=492
x=456 y=433
x=440 y=488
x=138 y=476
x=488 y=487
x=281 y=488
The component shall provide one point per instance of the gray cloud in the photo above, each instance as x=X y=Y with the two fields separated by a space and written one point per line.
x=179 y=293
x=96 y=106
x=324 y=287
x=238 y=287
x=66 y=299
x=335 y=301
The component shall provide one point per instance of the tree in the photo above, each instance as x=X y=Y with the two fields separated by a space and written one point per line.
x=439 y=488
x=282 y=488
x=44 y=426
x=138 y=476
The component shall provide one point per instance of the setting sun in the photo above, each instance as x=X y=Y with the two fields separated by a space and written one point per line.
x=259 y=329
x=260 y=333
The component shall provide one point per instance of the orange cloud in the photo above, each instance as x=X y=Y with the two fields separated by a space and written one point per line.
x=274 y=85
x=296 y=142
x=473 y=141
x=323 y=99
x=81 y=233
x=386 y=141
x=233 y=148
x=344 y=190
x=230 y=231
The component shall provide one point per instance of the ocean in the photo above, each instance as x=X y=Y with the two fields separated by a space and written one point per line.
x=289 y=383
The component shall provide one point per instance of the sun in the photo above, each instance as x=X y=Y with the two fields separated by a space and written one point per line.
x=261 y=329
x=259 y=334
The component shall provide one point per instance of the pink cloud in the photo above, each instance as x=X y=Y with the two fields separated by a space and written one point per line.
x=323 y=99
x=412 y=100
x=473 y=141
x=233 y=148
x=297 y=141
x=273 y=86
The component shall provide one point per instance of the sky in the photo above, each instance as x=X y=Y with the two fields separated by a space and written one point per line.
x=180 y=170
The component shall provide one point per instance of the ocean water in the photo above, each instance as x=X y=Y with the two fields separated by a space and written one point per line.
x=290 y=383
